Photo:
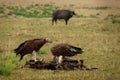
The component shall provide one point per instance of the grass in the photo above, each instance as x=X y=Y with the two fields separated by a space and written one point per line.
x=100 y=40
x=114 y=18
x=93 y=16
x=42 y=51
x=114 y=15
x=98 y=7
x=80 y=16
x=1 y=10
x=38 y=11
x=31 y=11
x=8 y=63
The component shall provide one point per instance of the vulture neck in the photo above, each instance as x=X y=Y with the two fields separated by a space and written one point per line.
x=42 y=43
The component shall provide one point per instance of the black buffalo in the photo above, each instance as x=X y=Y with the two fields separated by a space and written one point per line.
x=62 y=14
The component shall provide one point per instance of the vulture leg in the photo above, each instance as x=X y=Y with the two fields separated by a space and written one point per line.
x=34 y=56
x=60 y=59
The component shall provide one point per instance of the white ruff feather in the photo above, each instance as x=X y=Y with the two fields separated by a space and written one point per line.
x=60 y=59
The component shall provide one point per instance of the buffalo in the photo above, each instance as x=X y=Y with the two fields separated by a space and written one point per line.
x=62 y=14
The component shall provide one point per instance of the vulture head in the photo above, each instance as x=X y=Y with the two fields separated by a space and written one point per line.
x=31 y=47
x=47 y=40
x=62 y=50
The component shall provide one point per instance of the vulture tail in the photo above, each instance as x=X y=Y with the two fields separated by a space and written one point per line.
x=17 y=50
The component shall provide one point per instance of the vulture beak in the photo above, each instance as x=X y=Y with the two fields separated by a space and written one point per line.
x=50 y=41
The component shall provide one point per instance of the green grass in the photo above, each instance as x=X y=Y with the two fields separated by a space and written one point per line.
x=31 y=11
x=115 y=18
x=80 y=16
x=1 y=10
x=42 y=51
x=93 y=16
x=24 y=12
x=8 y=63
x=114 y=15
x=39 y=11
x=102 y=7
x=98 y=7
x=100 y=40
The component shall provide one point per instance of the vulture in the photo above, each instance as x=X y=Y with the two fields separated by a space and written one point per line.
x=31 y=47
x=62 y=50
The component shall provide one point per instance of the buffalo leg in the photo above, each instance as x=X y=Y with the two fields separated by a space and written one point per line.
x=66 y=21
x=54 y=20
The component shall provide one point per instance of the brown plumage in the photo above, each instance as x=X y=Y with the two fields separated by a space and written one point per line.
x=29 y=46
x=63 y=50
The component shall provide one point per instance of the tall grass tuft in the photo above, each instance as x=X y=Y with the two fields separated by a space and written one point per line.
x=42 y=51
x=8 y=63
x=80 y=16
x=114 y=18
x=93 y=16
x=32 y=11
x=97 y=7
x=1 y=10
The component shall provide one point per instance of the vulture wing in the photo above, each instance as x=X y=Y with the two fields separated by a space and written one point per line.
x=19 y=47
x=65 y=50
x=72 y=50
x=29 y=46
x=24 y=48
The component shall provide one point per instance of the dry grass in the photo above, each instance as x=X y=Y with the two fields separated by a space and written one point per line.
x=113 y=3
x=99 y=38
x=76 y=5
